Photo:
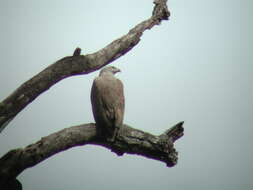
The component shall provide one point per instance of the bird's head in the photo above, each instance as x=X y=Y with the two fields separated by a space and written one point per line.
x=109 y=70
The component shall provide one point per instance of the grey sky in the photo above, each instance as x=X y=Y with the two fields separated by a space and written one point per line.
x=197 y=68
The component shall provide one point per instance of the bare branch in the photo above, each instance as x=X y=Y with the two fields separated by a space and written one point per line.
x=129 y=140
x=77 y=65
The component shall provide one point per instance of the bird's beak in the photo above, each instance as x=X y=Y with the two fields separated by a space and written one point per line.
x=118 y=71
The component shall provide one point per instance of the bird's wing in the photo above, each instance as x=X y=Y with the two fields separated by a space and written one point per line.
x=119 y=104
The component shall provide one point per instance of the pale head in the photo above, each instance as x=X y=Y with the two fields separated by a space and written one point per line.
x=109 y=70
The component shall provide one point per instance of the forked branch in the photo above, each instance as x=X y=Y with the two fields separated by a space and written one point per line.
x=77 y=65
x=129 y=140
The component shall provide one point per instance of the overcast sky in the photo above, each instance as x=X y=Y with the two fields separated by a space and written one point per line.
x=196 y=68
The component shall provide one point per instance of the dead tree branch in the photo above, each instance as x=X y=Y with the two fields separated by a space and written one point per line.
x=129 y=140
x=77 y=65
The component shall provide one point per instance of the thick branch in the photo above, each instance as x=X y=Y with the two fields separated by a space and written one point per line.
x=129 y=140
x=77 y=65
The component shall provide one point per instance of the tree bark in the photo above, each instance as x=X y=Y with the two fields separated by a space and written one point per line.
x=129 y=140
x=77 y=65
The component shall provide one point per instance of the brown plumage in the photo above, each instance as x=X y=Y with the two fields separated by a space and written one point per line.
x=108 y=103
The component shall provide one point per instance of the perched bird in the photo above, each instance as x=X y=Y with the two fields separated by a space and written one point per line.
x=108 y=102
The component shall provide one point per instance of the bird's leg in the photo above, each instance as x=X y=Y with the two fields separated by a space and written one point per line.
x=112 y=140
x=115 y=133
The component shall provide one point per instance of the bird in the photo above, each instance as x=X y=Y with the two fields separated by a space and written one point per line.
x=108 y=102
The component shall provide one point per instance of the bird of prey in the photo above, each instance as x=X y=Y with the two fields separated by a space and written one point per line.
x=108 y=102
